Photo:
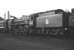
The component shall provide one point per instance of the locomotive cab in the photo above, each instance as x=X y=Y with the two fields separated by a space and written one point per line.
x=71 y=23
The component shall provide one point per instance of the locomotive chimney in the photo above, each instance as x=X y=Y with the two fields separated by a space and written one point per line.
x=8 y=15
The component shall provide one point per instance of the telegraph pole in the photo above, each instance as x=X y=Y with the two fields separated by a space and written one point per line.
x=5 y=16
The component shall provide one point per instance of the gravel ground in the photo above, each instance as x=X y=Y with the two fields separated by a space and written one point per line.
x=8 y=42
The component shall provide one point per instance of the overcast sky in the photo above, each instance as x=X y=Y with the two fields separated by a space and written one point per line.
x=26 y=7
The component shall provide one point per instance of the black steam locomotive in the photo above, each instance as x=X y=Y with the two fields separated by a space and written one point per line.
x=54 y=22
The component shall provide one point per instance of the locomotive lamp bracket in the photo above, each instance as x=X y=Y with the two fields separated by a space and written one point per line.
x=47 y=22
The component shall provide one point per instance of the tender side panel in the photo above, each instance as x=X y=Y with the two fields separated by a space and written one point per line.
x=54 y=20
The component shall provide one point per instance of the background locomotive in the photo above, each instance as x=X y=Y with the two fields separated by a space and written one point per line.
x=3 y=25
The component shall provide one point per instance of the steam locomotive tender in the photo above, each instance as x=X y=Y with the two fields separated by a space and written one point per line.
x=54 y=22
